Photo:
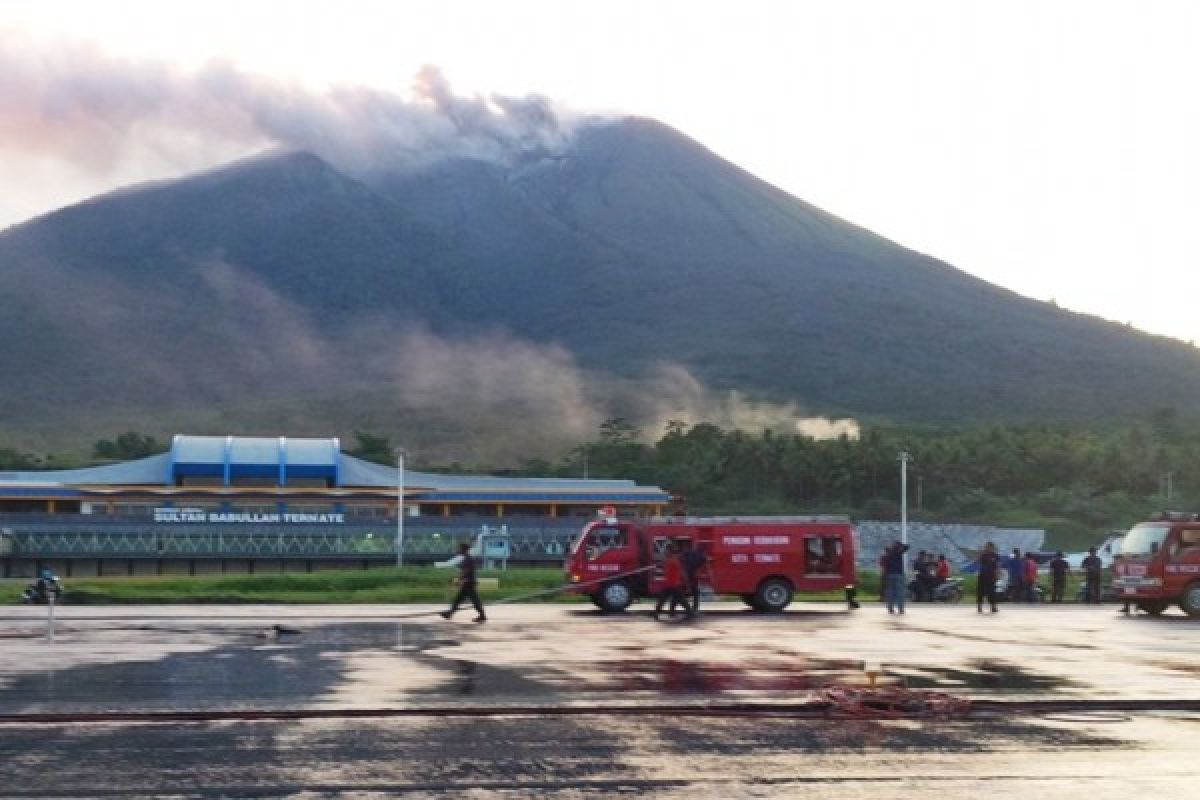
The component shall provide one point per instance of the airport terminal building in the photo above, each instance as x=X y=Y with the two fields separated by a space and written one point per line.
x=215 y=504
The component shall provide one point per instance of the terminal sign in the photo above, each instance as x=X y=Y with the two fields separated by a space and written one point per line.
x=242 y=517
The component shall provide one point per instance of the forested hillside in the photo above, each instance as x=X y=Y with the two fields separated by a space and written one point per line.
x=1076 y=482
x=282 y=295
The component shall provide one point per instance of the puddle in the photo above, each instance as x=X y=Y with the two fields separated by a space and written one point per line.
x=677 y=675
x=980 y=674
x=358 y=664
x=798 y=674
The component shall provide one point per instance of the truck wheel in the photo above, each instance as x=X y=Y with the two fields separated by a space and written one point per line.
x=774 y=594
x=954 y=595
x=1190 y=602
x=615 y=596
x=1153 y=607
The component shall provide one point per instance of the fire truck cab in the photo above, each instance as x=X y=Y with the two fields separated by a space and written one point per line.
x=1159 y=564
x=764 y=560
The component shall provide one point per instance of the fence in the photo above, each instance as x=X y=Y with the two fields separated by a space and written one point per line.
x=531 y=539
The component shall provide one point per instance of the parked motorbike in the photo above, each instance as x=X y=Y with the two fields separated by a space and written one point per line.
x=40 y=591
x=948 y=591
x=1002 y=592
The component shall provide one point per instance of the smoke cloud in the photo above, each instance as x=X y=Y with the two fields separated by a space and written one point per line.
x=484 y=399
x=100 y=112
x=262 y=365
x=673 y=393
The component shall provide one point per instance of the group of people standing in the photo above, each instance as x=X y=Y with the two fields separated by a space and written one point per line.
x=1022 y=576
x=931 y=572
x=684 y=562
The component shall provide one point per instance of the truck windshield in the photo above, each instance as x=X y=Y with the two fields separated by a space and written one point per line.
x=599 y=540
x=1144 y=540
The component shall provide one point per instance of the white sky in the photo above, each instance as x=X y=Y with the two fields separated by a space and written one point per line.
x=1049 y=147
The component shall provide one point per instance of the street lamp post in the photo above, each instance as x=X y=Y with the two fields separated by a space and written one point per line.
x=905 y=457
x=399 y=507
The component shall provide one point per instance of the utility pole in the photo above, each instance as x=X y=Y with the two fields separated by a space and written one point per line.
x=399 y=507
x=905 y=457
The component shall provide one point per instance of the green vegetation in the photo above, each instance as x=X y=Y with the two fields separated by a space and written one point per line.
x=127 y=446
x=369 y=447
x=1075 y=482
x=405 y=585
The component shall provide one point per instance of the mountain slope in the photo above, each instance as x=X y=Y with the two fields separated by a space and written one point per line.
x=276 y=290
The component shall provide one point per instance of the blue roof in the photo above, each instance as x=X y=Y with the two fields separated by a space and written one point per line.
x=150 y=470
x=230 y=456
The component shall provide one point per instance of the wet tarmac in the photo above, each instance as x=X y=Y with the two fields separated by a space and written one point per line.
x=563 y=701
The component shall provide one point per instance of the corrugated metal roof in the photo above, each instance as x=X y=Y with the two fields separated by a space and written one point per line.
x=198 y=449
x=352 y=472
x=152 y=470
x=356 y=472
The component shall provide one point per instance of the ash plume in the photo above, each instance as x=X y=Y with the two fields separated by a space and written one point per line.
x=673 y=393
x=489 y=398
x=83 y=106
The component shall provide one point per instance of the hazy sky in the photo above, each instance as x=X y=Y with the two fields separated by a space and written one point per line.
x=1049 y=147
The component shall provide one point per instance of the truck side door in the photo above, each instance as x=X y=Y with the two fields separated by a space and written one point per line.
x=1182 y=551
x=659 y=545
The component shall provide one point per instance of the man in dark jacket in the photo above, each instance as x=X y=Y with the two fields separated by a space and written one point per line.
x=694 y=561
x=467 y=585
x=1093 y=570
x=985 y=587
x=1058 y=574
x=1016 y=576
x=893 y=577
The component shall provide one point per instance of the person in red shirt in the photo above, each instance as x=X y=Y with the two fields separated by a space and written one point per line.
x=1031 y=578
x=673 y=584
x=943 y=569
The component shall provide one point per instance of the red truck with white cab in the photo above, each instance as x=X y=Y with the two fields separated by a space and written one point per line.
x=1159 y=564
x=764 y=560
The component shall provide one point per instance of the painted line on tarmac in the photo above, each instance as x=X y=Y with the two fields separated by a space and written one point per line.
x=616 y=785
x=817 y=709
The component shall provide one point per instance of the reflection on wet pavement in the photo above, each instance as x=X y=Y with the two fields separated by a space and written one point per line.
x=532 y=660
x=551 y=655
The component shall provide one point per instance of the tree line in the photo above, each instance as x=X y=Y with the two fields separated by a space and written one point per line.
x=1075 y=481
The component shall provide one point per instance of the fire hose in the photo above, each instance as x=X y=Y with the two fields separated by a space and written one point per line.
x=540 y=593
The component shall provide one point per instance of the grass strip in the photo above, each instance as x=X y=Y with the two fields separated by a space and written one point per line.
x=382 y=585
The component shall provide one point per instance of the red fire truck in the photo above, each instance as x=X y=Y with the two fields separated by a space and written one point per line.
x=762 y=559
x=1159 y=564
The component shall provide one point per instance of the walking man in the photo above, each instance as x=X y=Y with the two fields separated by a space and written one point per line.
x=673 y=578
x=1058 y=574
x=694 y=561
x=1093 y=570
x=467 y=586
x=985 y=586
x=893 y=577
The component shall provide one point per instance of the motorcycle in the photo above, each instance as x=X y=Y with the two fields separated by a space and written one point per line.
x=39 y=592
x=1002 y=592
x=948 y=591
